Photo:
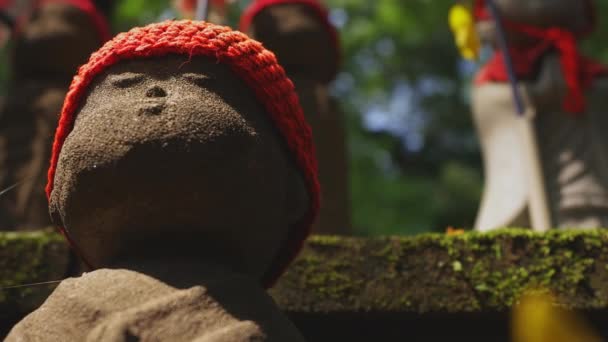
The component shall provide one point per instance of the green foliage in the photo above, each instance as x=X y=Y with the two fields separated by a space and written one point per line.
x=595 y=45
x=396 y=190
x=131 y=13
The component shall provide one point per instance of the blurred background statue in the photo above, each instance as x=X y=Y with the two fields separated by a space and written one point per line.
x=307 y=45
x=563 y=92
x=51 y=39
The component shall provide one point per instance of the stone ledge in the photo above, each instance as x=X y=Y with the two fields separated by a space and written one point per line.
x=398 y=287
x=435 y=287
x=434 y=273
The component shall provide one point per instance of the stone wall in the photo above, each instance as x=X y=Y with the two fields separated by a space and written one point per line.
x=396 y=288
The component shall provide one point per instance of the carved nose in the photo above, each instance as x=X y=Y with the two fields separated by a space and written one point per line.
x=156 y=91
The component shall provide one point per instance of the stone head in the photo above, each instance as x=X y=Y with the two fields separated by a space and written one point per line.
x=64 y=32
x=299 y=33
x=574 y=15
x=185 y=155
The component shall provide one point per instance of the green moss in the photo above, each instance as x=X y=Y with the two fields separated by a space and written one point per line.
x=329 y=240
x=25 y=258
x=439 y=273
x=472 y=272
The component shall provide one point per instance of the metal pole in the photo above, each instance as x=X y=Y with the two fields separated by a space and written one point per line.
x=202 y=9
x=504 y=48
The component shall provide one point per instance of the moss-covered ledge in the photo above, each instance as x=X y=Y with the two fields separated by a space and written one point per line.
x=390 y=288
x=471 y=272
x=435 y=287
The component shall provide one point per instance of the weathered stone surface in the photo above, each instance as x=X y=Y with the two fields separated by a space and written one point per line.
x=472 y=272
x=432 y=286
x=401 y=286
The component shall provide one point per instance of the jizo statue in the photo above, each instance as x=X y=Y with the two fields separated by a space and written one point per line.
x=307 y=45
x=183 y=172
x=564 y=101
x=50 y=43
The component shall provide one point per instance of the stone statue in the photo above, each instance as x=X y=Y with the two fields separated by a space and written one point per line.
x=307 y=45
x=183 y=171
x=50 y=44
x=564 y=94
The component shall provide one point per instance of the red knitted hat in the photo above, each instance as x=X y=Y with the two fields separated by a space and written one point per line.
x=248 y=59
x=258 y=5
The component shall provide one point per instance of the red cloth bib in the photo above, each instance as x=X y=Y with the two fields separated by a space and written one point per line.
x=579 y=71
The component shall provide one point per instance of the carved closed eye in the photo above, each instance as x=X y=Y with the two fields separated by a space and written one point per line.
x=198 y=79
x=126 y=80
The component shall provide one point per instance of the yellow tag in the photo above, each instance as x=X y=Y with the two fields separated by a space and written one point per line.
x=463 y=27
x=537 y=319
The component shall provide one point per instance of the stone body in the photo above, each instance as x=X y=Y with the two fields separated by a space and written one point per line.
x=52 y=44
x=568 y=14
x=124 y=305
x=571 y=147
x=572 y=150
x=176 y=186
x=305 y=47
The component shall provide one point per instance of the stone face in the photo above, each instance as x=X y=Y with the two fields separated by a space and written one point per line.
x=398 y=282
x=172 y=150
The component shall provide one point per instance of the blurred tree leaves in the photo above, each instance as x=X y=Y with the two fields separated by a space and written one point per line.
x=400 y=187
x=131 y=13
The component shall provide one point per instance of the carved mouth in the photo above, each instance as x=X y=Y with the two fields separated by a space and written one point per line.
x=152 y=108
